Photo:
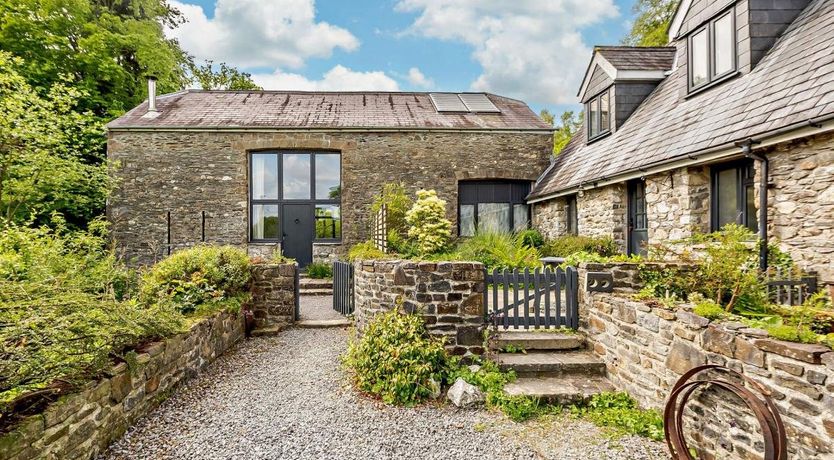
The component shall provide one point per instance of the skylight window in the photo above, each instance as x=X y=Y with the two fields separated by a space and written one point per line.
x=463 y=102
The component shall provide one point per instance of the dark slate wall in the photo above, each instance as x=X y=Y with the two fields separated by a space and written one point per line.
x=599 y=81
x=627 y=96
x=768 y=20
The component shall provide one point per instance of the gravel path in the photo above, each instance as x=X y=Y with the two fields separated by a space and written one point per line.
x=286 y=397
x=317 y=307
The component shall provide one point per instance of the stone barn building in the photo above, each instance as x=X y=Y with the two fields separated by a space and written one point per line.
x=686 y=138
x=259 y=169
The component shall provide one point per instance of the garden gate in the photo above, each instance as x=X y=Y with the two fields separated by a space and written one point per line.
x=539 y=299
x=343 y=287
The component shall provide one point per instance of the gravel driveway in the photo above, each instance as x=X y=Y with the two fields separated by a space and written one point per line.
x=286 y=397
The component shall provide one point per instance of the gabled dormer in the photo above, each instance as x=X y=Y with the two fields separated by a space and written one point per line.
x=617 y=81
x=718 y=39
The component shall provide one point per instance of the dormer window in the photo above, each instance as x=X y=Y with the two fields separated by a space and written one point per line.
x=712 y=51
x=599 y=115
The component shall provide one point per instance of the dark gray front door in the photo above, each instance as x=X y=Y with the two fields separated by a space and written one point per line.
x=638 y=223
x=298 y=233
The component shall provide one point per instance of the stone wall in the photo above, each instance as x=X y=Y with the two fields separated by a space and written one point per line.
x=801 y=200
x=550 y=218
x=449 y=296
x=602 y=212
x=83 y=424
x=274 y=294
x=186 y=173
x=646 y=349
x=677 y=203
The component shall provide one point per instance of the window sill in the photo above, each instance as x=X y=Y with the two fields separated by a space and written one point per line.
x=327 y=243
x=599 y=137
x=712 y=84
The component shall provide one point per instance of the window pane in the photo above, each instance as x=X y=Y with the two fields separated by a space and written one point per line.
x=698 y=66
x=328 y=184
x=265 y=222
x=494 y=217
x=727 y=197
x=570 y=215
x=521 y=217
x=264 y=176
x=296 y=176
x=467 y=220
x=603 y=110
x=328 y=221
x=593 y=115
x=724 y=45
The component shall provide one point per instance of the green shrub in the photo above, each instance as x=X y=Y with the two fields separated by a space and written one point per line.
x=365 y=251
x=619 y=412
x=63 y=319
x=491 y=381
x=397 y=360
x=498 y=250
x=319 y=270
x=199 y=280
x=397 y=203
x=709 y=310
x=567 y=245
x=792 y=333
x=531 y=237
x=428 y=226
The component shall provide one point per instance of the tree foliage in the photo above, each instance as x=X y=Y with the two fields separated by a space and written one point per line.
x=49 y=151
x=569 y=125
x=651 y=25
x=223 y=77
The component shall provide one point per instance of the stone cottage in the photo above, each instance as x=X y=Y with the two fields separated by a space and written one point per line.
x=261 y=169
x=685 y=138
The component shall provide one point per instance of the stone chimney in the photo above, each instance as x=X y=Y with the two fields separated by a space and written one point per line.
x=151 y=93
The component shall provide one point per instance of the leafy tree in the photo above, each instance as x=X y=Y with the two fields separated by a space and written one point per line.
x=45 y=151
x=547 y=117
x=224 y=77
x=569 y=125
x=651 y=25
x=105 y=47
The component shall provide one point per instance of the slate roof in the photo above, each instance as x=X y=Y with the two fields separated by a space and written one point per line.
x=793 y=83
x=296 y=109
x=638 y=58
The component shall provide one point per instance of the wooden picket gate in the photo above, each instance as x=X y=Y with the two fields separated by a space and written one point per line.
x=540 y=299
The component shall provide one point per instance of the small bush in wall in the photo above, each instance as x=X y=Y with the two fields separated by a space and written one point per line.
x=319 y=270
x=397 y=360
x=365 y=251
x=567 y=245
x=428 y=226
x=199 y=280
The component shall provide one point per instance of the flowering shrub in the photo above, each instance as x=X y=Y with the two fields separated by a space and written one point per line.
x=429 y=228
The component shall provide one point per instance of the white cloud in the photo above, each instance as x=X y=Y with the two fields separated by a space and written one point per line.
x=339 y=78
x=260 y=33
x=529 y=49
x=417 y=78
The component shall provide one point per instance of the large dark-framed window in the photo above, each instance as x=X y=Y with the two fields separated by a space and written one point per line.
x=712 y=51
x=598 y=111
x=571 y=215
x=495 y=206
x=294 y=177
x=732 y=199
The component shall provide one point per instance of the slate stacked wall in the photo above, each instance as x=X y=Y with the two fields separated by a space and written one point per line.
x=449 y=296
x=190 y=172
x=274 y=294
x=647 y=348
x=83 y=424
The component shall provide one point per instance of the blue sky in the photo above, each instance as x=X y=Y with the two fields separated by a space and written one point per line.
x=534 y=50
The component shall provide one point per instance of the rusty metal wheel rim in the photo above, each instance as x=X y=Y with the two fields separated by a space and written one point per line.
x=764 y=410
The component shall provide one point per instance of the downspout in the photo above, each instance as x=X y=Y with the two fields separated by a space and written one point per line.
x=747 y=150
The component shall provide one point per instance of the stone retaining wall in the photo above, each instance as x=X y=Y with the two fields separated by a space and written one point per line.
x=449 y=295
x=81 y=425
x=274 y=294
x=647 y=349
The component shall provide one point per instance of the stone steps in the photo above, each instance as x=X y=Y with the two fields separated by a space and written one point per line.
x=315 y=287
x=552 y=363
x=315 y=292
x=322 y=323
x=537 y=340
x=560 y=390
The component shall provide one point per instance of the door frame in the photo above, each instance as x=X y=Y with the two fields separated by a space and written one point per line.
x=630 y=213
